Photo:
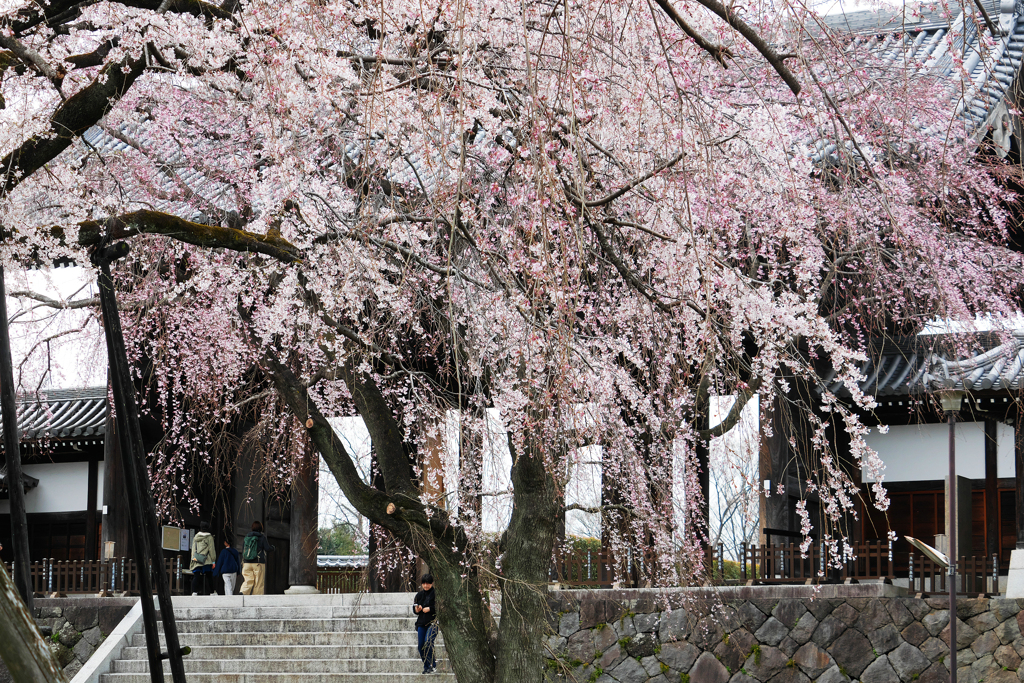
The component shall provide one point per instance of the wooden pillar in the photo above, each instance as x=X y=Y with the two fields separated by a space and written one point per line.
x=115 y=521
x=991 y=491
x=91 y=541
x=303 y=527
x=1018 y=459
x=775 y=455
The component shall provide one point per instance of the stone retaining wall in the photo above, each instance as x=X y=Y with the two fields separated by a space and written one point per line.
x=638 y=636
x=74 y=628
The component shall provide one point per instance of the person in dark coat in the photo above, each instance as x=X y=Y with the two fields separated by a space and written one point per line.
x=425 y=607
x=229 y=564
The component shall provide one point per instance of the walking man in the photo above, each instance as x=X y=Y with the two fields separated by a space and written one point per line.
x=254 y=560
x=425 y=607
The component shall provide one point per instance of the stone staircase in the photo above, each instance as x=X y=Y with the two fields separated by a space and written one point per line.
x=276 y=638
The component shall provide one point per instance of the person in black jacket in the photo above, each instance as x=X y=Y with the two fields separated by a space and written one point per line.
x=425 y=607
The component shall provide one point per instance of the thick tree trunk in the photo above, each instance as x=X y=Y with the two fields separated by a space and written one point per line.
x=462 y=620
x=529 y=542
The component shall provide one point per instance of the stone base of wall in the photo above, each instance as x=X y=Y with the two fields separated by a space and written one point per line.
x=640 y=636
x=74 y=628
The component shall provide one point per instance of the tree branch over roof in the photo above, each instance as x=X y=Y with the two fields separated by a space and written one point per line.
x=209 y=236
x=730 y=17
x=76 y=115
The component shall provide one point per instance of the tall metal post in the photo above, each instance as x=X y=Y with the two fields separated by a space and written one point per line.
x=141 y=508
x=950 y=405
x=12 y=453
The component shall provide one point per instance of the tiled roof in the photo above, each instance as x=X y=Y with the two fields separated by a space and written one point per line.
x=919 y=367
x=27 y=481
x=936 y=45
x=63 y=414
x=342 y=561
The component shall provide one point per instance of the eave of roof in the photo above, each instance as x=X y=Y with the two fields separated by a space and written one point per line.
x=62 y=414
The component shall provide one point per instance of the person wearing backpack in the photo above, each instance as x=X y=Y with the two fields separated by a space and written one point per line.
x=229 y=563
x=203 y=556
x=254 y=560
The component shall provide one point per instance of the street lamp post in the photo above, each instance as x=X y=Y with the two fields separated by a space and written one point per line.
x=951 y=401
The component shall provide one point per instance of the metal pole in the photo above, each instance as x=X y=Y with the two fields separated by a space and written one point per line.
x=141 y=509
x=12 y=451
x=951 y=532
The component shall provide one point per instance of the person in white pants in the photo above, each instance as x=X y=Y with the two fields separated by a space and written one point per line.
x=229 y=563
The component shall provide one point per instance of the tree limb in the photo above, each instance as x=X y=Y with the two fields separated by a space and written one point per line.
x=72 y=118
x=735 y=411
x=33 y=59
x=719 y=52
x=754 y=38
x=209 y=236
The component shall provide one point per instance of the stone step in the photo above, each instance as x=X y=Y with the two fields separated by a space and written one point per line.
x=254 y=652
x=331 y=638
x=293 y=666
x=289 y=678
x=312 y=612
x=293 y=625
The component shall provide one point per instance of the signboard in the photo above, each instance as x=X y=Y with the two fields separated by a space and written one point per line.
x=185 y=540
x=931 y=553
x=170 y=538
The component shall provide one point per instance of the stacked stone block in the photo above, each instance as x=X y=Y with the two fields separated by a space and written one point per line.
x=74 y=628
x=658 y=637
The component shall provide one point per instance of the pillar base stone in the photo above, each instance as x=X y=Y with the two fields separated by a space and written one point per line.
x=306 y=590
x=1015 y=580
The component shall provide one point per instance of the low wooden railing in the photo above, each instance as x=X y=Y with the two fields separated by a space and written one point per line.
x=119 y=575
x=336 y=580
x=975 y=576
x=790 y=564
x=602 y=568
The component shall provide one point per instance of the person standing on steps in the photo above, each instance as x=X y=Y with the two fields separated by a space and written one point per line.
x=425 y=607
x=229 y=563
x=201 y=564
x=254 y=560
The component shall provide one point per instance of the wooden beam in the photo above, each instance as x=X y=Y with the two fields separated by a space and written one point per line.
x=991 y=491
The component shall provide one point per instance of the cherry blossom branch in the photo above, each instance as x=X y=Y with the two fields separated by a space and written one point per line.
x=735 y=412
x=718 y=52
x=778 y=61
x=633 y=183
x=55 y=303
x=33 y=59
x=76 y=115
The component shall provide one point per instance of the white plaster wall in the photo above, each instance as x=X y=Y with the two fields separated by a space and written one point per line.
x=63 y=487
x=921 y=452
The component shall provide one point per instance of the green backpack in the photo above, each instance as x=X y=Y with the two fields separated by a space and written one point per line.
x=251 y=549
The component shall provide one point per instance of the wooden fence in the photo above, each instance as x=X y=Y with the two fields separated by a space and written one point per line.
x=119 y=575
x=790 y=564
x=340 y=580
x=975 y=576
